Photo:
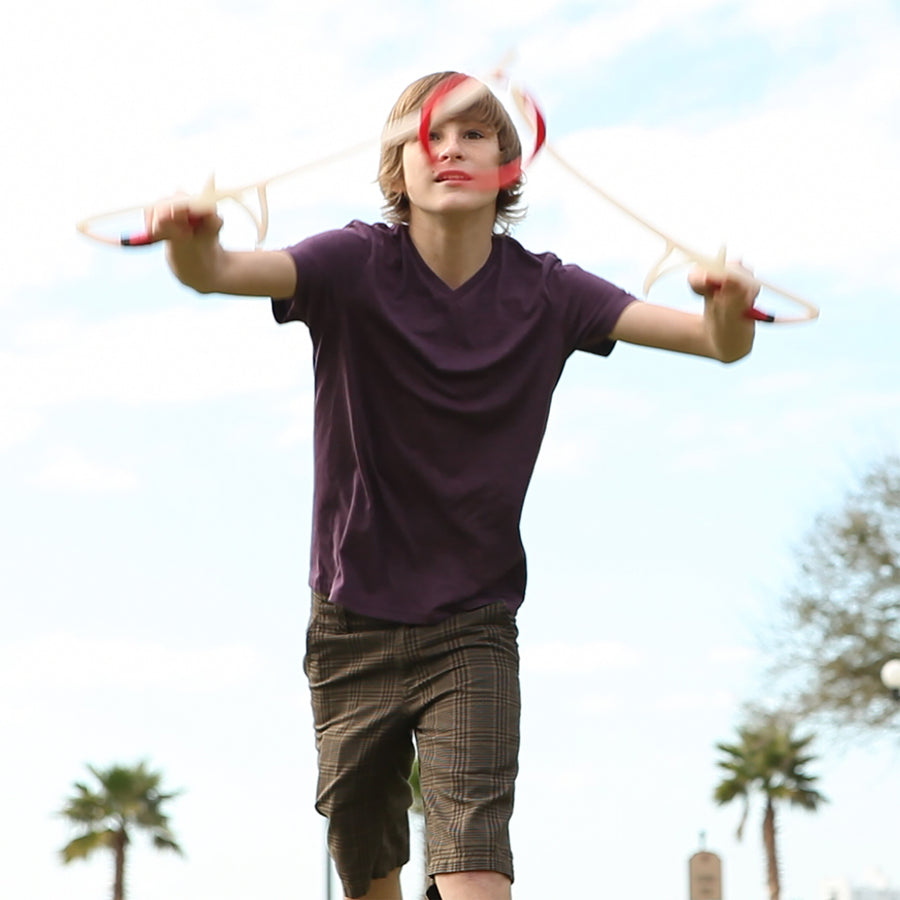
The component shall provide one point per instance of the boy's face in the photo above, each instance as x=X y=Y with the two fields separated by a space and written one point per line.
x=463 y=175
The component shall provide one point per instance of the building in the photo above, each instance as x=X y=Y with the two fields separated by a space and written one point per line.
x=874 y=886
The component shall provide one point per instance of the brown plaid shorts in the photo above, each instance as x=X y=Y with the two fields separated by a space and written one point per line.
x=455 y=687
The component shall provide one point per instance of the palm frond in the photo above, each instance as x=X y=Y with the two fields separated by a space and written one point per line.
x=127 y=798
x=85 y=845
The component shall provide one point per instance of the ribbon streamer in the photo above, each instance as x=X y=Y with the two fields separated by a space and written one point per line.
x=717 y=266
x=452 y=96
x=206 y=201
x=506 y=174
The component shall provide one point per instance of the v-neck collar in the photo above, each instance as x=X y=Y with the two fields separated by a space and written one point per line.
x=434 y=280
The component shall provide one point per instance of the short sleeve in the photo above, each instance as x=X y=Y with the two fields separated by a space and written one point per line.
x=592 y=306
x=322 y=263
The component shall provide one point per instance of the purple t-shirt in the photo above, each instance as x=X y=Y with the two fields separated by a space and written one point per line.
x=431 y=404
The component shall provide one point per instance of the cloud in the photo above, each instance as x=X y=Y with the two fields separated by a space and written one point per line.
x=868 y=419
x=774 y=17
x=796 y=178
x=87 y=138
x=572 y=43
x=74 y=663
x=728 y=655
x=694 y=701
x=582 y=418
x=69 y=470
x=564 y=658
x=177 y=355
x=18 y=425
x=599 y=704
x=563 y=455
x=299 y=414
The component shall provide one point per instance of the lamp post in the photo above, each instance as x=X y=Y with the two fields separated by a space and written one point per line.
x=329 y=893
x=890 y=675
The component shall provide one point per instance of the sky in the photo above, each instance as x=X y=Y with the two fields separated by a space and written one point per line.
x=155 y=445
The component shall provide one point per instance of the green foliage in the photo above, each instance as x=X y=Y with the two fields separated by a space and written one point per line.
x=841 y=618
x=415 y=783
x=125 y=799
x=769 y=760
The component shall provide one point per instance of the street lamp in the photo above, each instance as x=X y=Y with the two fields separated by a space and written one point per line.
x=890 y=675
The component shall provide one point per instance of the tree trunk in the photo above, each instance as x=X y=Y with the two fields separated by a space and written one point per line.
x=119 y=842
x=771 y=851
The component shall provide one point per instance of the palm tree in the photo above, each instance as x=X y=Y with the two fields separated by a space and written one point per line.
x=128 y=799
x=768 y=758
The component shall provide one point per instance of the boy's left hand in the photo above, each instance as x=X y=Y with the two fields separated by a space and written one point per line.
x=731 y=292
x=728 y=299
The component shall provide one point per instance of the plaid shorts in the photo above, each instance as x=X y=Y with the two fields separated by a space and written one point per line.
x=455 y=687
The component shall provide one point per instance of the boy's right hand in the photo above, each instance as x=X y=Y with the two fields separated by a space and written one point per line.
x=190 y=229
x=179 y=219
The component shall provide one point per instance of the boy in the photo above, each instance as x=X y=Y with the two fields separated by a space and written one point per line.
x=437 y=345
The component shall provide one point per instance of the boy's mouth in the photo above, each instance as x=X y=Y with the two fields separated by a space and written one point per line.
x=452 y=175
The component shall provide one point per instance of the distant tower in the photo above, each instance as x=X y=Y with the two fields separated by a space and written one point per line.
x=705 y=873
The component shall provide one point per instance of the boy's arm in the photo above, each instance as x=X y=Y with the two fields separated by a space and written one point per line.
x=197 y=258
x=722 y=332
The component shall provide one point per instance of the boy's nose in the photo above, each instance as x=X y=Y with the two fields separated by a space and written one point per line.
x=449 y=146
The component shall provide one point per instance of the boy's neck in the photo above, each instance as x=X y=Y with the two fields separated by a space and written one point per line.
x=454 y=247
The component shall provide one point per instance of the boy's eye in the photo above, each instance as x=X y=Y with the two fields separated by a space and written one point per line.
x=468 y=134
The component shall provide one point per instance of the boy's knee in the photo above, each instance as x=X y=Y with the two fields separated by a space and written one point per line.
x=470 y=886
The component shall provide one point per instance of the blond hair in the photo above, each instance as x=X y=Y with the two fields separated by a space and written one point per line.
x=485 y=108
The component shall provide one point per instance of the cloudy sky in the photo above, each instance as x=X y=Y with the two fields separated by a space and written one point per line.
x=155 y=457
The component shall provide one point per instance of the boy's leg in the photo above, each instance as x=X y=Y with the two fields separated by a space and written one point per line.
x=383 y=888
x=473 y=886
x=364 y=745
x=462 y=678
x=468 y=739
